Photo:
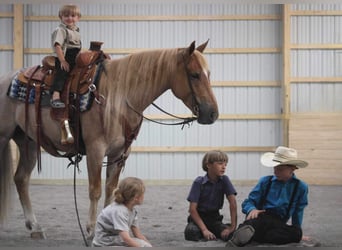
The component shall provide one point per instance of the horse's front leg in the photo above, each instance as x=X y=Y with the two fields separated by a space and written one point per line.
x=112 y=177
x=94 y=166
x=27 y=161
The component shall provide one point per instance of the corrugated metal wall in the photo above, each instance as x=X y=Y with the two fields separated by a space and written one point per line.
x=6 y=39
x=316 y=88
x=314 y=96
x=226 y=65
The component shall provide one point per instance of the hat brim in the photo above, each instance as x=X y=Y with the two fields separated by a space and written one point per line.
x=267 y=160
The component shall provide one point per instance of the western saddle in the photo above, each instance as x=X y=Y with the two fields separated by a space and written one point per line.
x=80 y=80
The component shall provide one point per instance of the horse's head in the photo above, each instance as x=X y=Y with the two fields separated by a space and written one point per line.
x=191 y=84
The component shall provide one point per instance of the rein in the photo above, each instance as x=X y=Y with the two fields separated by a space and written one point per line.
x=186 y=120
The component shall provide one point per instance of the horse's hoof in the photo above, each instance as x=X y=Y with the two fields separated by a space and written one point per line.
x=90 y=237
x=38 y=235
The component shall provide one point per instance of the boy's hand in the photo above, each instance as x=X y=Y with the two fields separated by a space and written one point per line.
x=65 y=66
x=254 y=214
x=208 y=235
x=226 y=232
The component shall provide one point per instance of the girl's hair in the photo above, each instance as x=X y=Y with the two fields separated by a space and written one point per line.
x=128 y=188
x=69 y=9
x=213 y=156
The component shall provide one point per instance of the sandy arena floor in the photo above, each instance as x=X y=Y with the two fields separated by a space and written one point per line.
x=162 y=216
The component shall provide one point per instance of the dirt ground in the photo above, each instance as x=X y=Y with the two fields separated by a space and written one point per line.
x=162 y=216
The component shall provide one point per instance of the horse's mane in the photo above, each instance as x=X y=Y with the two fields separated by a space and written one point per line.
x=136 y=77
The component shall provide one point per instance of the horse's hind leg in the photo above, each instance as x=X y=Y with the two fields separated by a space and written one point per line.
x=27 y=161
x=6 y=175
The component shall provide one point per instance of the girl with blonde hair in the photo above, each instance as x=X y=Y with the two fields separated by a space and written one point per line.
x=117 y=224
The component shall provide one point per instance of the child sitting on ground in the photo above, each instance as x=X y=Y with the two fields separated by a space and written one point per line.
x=206 y=198
x=116 y=221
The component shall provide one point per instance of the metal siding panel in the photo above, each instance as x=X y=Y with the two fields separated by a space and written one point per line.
x=6 y=62
x=6 y=38
x=240 y=105
x=316 y=29
x=143 y=170
x=6 y=25
x=193 y=165
x=337 y=97
x=178 y=167
x=166 y=166
x=316 y=97
x=6 y=7
x=317 y=6
x=240 y=161
x=257 y=100
x=133 y=163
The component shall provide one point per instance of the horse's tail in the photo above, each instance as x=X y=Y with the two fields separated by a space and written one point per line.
x=6 y=176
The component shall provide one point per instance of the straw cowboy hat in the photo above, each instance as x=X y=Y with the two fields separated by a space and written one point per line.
x=282 y=156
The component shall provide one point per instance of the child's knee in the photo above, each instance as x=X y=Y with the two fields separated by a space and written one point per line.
x=192 y=232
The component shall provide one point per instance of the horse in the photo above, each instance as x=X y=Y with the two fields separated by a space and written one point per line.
x=126 y=87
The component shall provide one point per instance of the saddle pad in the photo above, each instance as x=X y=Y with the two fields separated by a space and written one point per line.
x=17 y=90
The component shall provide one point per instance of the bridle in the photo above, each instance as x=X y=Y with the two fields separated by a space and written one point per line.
x=195 y=103
x=185 y=120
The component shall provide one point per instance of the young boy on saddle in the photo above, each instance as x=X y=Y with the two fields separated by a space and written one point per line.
x=66 y=44
x=206 y=198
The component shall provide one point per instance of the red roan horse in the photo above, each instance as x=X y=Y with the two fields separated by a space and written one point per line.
x=128 y=86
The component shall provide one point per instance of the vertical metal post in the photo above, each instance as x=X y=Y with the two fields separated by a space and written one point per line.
x=286 y=81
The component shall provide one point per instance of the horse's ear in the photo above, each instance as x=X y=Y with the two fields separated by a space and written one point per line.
x=202 y=46
x=191 y=48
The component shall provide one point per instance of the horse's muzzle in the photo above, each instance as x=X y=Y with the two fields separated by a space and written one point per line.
x=207 y=114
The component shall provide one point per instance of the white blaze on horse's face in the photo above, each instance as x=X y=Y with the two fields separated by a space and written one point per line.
x=206 y=74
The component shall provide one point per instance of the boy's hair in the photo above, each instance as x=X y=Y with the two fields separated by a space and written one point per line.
x=128 y=188
x=69 y=9
x=213 y=156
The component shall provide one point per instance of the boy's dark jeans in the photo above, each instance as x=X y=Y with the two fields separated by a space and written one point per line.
x=269 y=228
x=212 y=220
x=61 y=75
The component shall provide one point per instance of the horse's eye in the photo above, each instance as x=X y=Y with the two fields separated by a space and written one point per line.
x=195 y=75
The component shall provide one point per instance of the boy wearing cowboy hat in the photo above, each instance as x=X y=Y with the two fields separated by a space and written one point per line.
x=273 y=201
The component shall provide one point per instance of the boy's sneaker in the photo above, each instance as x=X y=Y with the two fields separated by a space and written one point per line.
x=241 y=236
x=311 y=242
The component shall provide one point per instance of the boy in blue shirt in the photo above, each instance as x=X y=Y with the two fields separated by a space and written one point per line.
x=273 y=201
x=206 y=198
